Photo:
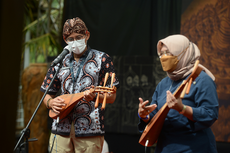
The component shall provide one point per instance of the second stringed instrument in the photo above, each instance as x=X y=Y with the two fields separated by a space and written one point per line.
x=72 y=99
x=153 y=129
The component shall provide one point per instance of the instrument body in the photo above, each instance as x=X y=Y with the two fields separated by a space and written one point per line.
x=72 y=99
x=153 y=129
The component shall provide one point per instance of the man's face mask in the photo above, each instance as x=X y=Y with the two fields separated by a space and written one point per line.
x=77 y=46
x=169 y=62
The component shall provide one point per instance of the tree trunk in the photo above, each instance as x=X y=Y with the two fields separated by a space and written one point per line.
x=32 y=79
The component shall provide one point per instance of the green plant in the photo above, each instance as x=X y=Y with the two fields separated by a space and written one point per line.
x=42 y=28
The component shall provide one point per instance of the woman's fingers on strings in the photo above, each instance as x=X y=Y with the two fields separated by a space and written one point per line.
x=171 y=96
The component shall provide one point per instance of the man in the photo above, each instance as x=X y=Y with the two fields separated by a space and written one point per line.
x=82 y=130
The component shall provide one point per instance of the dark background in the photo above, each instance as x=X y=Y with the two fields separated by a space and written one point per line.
x=126 y=27
x=11 y=24
x=128 y=30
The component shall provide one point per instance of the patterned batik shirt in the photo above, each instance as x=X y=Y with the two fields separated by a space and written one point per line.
x=87 y=120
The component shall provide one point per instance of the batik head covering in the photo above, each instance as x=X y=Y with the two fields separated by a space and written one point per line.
x=74 y=25
x=175 y=44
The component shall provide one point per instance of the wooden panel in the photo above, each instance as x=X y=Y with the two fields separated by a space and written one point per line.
x=207 y=24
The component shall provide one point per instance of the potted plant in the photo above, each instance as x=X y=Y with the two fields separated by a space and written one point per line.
x=43 y=25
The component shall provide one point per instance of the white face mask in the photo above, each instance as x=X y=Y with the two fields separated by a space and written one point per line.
x=77 y=46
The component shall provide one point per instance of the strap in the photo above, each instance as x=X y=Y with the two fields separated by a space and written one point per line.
x=74 y=79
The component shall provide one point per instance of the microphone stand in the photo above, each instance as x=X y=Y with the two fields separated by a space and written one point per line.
x=26 y=132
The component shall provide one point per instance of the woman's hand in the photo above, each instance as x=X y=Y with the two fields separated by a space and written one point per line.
x=143 y=110
x=173 y=102
x=56 y=104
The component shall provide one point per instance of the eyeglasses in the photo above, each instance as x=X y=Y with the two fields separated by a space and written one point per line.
x=71 y=39
x=166 y=52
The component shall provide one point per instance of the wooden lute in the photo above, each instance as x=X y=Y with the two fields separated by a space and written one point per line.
x=72 y=99
x=153 y=129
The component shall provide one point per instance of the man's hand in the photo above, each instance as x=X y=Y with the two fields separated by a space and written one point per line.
x=56 y=104
x=89 y=96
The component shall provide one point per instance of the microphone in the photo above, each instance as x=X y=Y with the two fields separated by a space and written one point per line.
x=60 y=57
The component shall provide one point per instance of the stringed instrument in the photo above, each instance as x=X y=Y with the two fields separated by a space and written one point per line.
x=153 y=129
x=72 y=99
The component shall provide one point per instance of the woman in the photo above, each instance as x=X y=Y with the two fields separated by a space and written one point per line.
x=187 y=125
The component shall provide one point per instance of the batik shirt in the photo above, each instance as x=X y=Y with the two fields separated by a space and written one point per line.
x=87 y=120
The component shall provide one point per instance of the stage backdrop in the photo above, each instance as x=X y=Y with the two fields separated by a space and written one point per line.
x=132 y=28
x=207 y=24
x=126 y=27
x=128 y=30
x=138 y=76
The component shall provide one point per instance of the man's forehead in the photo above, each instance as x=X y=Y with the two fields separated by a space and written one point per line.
x=74 y=34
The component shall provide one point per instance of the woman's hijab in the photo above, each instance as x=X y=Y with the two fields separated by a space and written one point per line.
x=175 y=44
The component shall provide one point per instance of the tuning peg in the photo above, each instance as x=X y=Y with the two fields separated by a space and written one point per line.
x=112 y=79
x=104 y=102
x=105 y=94
x=97 y=100
x=184 y=90
x=106 y=78
x=189 y=85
